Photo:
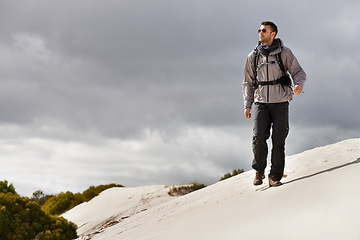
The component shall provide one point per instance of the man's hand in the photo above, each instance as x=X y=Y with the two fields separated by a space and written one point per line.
x=297 y=90
x=247 y=113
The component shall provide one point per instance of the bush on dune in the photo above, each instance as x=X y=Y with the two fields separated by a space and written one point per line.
x=234 y=173
x=185 y=189
x=63 y=202
x=21 y=218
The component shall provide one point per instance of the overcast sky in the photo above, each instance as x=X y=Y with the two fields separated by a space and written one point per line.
x=142 y=92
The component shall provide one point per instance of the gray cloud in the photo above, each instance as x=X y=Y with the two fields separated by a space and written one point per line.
x=99 y=76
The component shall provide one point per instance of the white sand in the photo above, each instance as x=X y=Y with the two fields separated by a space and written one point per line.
x=320 y=199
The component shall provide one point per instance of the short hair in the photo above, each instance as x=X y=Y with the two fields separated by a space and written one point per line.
x=272 y=25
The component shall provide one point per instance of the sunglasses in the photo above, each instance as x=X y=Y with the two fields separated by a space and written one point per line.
x=263 y=30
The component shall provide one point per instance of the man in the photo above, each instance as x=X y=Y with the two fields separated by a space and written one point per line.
x=267 y=84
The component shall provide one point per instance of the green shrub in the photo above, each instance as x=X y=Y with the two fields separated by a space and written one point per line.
x=234 y=173
x=39 y=197
x=5 y=188
x=21 y=218
x=196 y=186
x=92 y=191
x=63 y=202
x=59 y=204
x=185 y=189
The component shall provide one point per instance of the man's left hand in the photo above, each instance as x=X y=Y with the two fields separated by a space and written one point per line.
x=297 y=90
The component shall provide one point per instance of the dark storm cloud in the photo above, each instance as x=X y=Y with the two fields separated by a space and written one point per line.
x=157 y=58
x=160 y=82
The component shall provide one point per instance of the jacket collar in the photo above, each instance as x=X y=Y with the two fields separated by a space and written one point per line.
x=273 y=49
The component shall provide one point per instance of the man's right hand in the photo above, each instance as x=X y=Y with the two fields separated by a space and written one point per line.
x=247 y=112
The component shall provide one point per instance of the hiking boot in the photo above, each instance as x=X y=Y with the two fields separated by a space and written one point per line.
x=259 y=178
x=273 y=182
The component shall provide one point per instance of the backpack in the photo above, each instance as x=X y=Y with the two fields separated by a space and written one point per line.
x=284 y=80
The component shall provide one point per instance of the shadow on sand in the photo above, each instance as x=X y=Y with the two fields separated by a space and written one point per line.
x=324 y=171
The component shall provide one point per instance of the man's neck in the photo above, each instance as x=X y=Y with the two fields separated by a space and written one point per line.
x=268 y=43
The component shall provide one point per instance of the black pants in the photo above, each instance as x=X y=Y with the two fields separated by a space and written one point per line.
x=267 y=116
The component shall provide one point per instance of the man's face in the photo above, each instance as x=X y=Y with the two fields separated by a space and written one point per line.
x=265 y=35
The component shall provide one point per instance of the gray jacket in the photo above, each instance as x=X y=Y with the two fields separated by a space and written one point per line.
x=269 y=72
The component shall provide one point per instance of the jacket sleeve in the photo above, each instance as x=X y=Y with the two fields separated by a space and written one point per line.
x=249 y=78
x=292 y=65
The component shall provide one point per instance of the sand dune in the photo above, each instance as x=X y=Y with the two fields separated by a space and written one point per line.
x=320 y=199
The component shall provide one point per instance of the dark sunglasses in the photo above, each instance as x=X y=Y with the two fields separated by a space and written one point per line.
x=263 y=30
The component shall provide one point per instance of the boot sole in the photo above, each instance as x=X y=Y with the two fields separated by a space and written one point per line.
x=276 y=184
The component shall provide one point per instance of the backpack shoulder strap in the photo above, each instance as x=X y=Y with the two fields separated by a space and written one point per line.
x=255 y=64
x=285 y=80
x=281 y=64
x=256 y=59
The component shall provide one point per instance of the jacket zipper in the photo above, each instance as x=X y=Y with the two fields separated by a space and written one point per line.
x=267 y=76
